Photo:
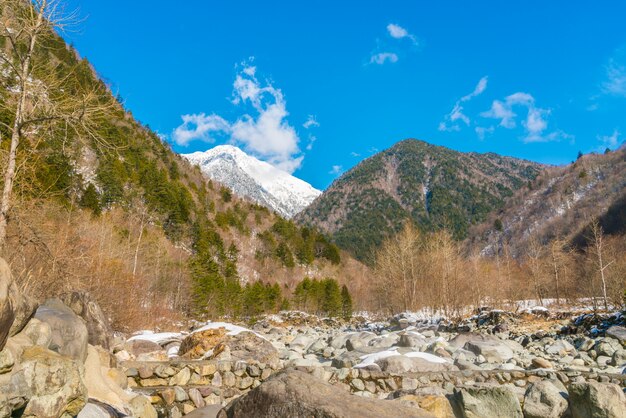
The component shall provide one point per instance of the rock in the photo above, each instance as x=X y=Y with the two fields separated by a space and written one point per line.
x=210 y=411
x=138 y=347
x=142 y=408
x=411 y=340
x=596 y=400
x=100 y=386
x=197 y=344
x=6 y=361
x=95 y=409
x=15 y=308
x=617 y=332
x=402 y=364
x=98 y=329
x=492 y=351
x=181 y=378
x=436 y=404
x=69 y=333
x=541 y=363
x=196 y=397
x=292 y=393
x=544 y=400
x=560 y=347
x=244 y=346
x=487 y=402
x=347 y=359
x=54 y=383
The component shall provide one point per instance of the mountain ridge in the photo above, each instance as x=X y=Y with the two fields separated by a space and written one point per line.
x=258 y=180
x=434 y=186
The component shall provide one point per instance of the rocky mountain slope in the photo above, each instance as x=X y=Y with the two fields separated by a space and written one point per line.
x=257 y=180
x=560 y=203
x=431 y=185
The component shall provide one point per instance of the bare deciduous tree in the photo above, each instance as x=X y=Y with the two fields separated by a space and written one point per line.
x=40 y=97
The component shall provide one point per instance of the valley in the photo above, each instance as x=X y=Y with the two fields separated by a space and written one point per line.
x=201 y=273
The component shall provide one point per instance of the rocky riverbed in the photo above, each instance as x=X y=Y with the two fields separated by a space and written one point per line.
x=61 y=359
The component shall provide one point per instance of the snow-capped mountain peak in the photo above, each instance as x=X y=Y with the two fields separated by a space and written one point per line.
x=259 y=181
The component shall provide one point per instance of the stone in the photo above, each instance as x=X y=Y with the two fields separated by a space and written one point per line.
x=402 y=364
x=541 y=363
x=196 y=397
x=181 y=378
x=560 y=347
x=142 y=408
x=136 y=347
x=16 y=309
x=69 y=332
x=6 y=361
x=244 y=346
x=544 y=400
x=229 y=379
x=168 y=395
x=436 y=404
x=487 y=402
x=100 y=386
x=209 y=411
x=493 y=351
x=99 y=331
x=617 y=332
x=54 y=383
x=601 y=400
x=95 y=409
x=291 y=393
x=179 y=394
x=245 y=383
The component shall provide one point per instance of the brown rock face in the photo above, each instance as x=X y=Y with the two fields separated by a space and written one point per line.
x=245 y=346
x=197 y=344
x=296 y=394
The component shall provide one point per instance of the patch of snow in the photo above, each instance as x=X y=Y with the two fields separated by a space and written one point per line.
x=370 y=359
x=158 y=338
x=426 y=356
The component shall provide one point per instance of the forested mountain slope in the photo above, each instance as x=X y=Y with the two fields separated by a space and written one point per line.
x=101 y=203
x=560 y=204
x=433 y=186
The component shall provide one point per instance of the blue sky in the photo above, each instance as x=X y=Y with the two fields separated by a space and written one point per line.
x=315 y=87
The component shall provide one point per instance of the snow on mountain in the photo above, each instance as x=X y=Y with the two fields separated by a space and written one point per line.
x=255 y=179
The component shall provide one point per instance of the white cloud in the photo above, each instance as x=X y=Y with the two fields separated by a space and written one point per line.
x=355 y=154
x=312 y=139
x=535 y=123
x=311 y=122
x=266 y=134
x=383 y=57
x=199 y=127
x=615 y=83
x=457 y=111
x=398 y=32
x=336 y=170
x=610 y=141
x=482 y=131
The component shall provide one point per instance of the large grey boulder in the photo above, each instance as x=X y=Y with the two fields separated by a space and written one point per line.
x=403 y=364
x=296 y=394
x=98 y=328
x=69 y=332
x=493 y=351
x=617 y=332
x=544 y=400
x=487 y=402
x=597 y=400
x=15 y=308
x=54 y=384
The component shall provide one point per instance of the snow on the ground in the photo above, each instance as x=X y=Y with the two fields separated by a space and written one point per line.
x=369 y=359
x=426 y=356
x=158 y=338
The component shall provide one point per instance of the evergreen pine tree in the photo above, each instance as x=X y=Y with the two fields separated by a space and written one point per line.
x=91 y=200
x=346 y=303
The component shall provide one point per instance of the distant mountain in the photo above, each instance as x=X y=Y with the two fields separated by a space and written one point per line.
x=257 y=180
x=432 y=185
x=560 y=203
